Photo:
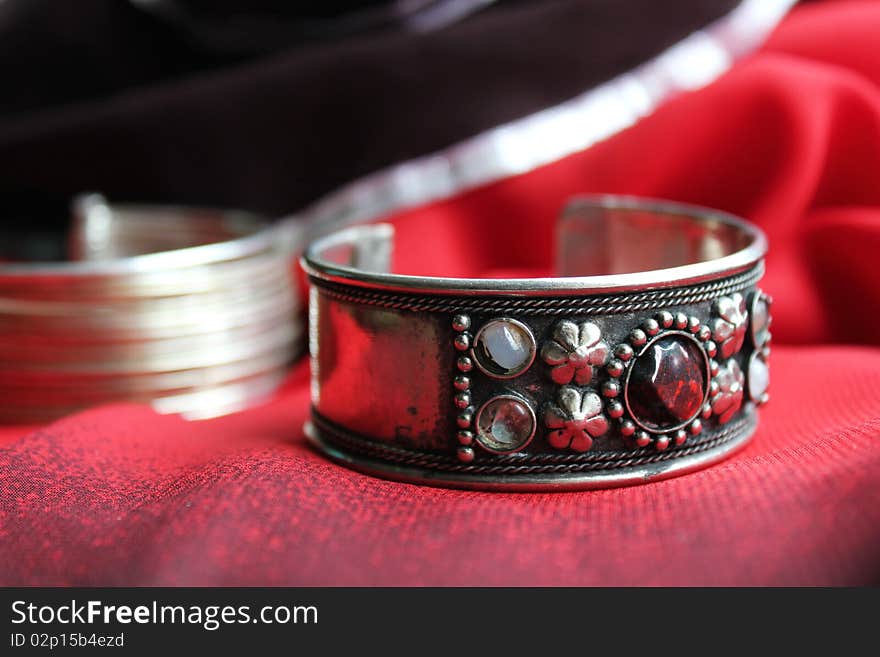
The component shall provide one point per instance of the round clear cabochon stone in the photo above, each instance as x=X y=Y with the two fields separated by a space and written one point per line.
x=759 y=377
x=505 y=424
x=760 y=320
x=504 y=348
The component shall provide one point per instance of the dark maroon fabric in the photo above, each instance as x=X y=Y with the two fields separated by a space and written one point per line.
x=101 y=97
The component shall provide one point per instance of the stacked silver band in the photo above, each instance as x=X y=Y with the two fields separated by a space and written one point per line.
x=191 y=310
x=646 y=356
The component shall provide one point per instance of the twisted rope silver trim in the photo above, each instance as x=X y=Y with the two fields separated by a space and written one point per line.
x=526 y=463
x=588 y=305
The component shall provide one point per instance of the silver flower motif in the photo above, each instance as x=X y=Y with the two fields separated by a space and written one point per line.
x=729 y=328
x=727 y=391
x=575 y=419
x=574 y=351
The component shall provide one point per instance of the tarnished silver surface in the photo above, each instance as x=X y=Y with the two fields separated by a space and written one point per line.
x=192 y=310
x=397 y=390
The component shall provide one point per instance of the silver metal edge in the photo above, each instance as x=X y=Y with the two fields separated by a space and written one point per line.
x=533 y=483
x=315 y=265
x=262 y=239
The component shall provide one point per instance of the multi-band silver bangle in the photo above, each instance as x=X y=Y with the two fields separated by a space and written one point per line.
x=646 y=357
x=191 y=310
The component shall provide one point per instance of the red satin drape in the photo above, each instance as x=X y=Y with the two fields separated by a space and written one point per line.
x=790 y=138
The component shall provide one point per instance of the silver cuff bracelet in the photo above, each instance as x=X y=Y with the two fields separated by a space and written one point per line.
x=191 y=310
x=645 y=358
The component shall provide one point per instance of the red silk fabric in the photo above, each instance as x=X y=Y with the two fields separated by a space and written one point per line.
x=789 y=138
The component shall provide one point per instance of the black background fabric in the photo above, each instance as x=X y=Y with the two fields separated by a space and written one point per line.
x=278 y=105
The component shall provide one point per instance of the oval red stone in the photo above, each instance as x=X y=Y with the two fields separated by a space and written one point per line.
x=667 y=383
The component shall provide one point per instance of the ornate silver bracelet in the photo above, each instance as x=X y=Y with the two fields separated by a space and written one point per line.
x=645 y=358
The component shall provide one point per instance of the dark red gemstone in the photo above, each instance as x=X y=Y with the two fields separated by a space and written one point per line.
x=667 y=383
